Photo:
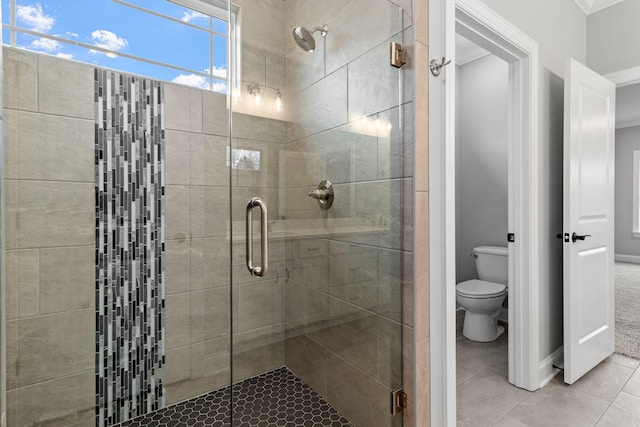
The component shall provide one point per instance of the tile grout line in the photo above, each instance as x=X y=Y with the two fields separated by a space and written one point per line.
x=616 y=395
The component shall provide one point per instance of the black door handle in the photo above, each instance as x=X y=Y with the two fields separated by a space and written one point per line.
x=575 y=236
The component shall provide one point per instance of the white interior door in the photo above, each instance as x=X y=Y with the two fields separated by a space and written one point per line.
x=589 y=126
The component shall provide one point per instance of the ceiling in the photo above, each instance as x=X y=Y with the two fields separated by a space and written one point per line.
x=467 y=51
x=592 y=6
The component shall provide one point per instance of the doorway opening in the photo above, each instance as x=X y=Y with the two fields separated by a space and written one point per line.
x=478 y=24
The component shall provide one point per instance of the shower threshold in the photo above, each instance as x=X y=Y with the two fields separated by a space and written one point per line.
x=276 y=398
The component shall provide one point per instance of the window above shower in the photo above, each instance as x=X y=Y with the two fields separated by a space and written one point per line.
x=181 y=41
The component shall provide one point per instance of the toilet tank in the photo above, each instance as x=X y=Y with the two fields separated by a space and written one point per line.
x=492 y=263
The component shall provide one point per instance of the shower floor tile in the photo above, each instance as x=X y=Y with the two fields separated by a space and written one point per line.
x=277 y=398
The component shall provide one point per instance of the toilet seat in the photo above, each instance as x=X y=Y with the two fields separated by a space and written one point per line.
x=480 y=289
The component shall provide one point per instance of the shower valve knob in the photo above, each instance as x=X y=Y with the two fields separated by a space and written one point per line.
x=319 y=194
x=323 y=194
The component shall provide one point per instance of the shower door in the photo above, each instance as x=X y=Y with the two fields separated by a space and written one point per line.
x=317 y=324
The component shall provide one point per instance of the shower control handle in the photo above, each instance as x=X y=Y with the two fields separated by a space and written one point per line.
x=257 y=270
x=319 y=194
x=575 y=237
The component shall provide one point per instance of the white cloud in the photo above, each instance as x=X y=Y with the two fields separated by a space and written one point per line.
x=46 y=45
x=191 y=15
x=200 y=82
x=34 y=17
x=193 y=80
x=219 y=87
x=70 y=34
x=220 y=72
x=108 y=40
x=64 y=55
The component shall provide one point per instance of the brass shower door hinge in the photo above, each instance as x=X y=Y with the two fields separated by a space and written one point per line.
x=398 y=55
x=398 y=401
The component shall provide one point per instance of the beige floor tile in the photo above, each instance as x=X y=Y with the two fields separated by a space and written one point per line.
x=485 y=397
x=555 y=405
x=472 y=357
x=624 y=411
x=604 y=381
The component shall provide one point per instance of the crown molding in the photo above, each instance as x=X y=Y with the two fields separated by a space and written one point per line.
x=592 y=6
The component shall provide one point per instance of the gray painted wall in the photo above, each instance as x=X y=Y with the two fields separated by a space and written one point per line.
x=612 y=37
x=560 y=28
x=481 y=157
x=627 y=140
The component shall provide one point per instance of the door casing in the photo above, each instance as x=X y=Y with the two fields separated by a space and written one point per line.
x=478 y=23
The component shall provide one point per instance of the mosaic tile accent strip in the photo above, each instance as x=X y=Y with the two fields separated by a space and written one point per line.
x=130 y=246
x=277 y=398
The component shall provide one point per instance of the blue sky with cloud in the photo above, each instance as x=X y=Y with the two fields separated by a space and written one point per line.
x=111 y=25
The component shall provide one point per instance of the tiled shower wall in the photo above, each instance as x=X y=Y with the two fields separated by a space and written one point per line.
x=349 y=300
x=50 y=227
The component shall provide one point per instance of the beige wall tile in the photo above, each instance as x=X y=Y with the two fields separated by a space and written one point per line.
x=408 y=362
x=296 y=305
x=210 y=263
x=318 y=107
x=269 y=172
x=67 y=279
x=422 y=119
x=53 y=346
x=209 y=160
x=177 y=158
x=22 y=280
x=352 y=334
x=12 y=207
x=421 y=20
x=52 y=214
x=246 y=126
x=209 y=314
x=257 y=351
x=178 y=212
x=65 y=87
x=422 y=383
x=209 y=211
x=178 y=318
x=178 y=266
x=211 y=359
x=11 y=142
x=178 y=366
x=422 y=266
x=254 y=63
x=353 y=37
x=67 y=402
x=262 y=23
x=215 y=114
x=258 y=305
x=373 y=84
x=20 y=79
x=51 y=147
x=306 y=359
x=182 y=108
x=360 y=398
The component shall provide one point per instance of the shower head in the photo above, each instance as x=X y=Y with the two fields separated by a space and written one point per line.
x=304 y=38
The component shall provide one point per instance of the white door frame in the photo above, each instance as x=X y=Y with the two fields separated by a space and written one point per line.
x=484 y=27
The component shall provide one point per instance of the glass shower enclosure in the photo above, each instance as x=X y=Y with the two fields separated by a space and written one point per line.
x=208 y=212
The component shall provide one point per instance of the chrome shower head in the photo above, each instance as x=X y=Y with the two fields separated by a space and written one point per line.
x=304 y=38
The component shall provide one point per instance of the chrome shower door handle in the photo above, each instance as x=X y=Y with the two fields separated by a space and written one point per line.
x=257 y=270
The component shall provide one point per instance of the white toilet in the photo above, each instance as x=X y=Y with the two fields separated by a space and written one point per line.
x=482 y=298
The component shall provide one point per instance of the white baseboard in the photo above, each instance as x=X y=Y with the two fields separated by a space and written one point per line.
x=546 y=370
x=628 y=258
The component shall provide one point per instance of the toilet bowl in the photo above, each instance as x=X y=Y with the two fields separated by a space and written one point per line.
x=482 y=302
x=482 y=298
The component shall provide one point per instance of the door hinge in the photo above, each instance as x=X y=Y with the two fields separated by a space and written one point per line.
x=398 y=55
x=511 y=237
x=398 y=401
